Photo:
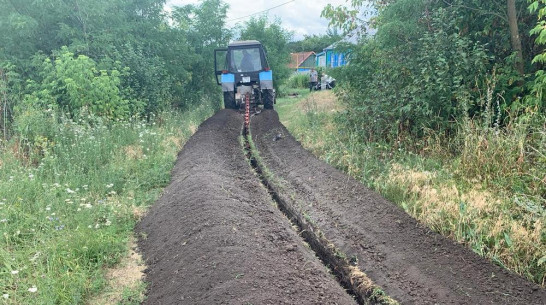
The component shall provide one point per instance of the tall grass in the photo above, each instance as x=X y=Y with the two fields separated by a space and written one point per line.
x=486 y=187
x=298 y=80
x=70 y=194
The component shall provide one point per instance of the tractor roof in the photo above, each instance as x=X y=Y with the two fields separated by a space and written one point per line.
x=244 y=43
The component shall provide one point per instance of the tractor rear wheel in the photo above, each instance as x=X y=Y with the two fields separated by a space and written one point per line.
x=229 y=100
x=269 y=98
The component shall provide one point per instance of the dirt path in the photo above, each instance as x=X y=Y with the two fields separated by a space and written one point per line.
x=215 y=236
x=411 y=263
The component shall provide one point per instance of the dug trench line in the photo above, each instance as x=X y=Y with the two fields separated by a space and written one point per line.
x=349 y=276
x=411 y=263
x=214 y=236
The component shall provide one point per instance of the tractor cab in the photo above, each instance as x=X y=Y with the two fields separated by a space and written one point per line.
x=243 y=71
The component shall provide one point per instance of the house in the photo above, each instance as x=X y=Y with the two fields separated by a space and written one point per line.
x=331 y=58
x=302 y=61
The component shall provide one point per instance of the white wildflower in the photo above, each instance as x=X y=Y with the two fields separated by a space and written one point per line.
x=5 y=296
x=3 y=220
x=68 y=190
x=35 y=257
x=33 y=289
x=14 y=272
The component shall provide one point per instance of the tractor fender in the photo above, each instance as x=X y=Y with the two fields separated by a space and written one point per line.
x=228 y=82
x=266 y=80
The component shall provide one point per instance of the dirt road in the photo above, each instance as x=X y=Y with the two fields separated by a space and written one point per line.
x=216 y=236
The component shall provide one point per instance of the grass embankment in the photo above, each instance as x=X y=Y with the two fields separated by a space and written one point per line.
x=471 y=197
x=70 y=195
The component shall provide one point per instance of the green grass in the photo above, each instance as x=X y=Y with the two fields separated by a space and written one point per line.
x=70 y=195
x=485 y=197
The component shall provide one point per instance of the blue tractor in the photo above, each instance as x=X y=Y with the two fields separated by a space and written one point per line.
x=245 y=75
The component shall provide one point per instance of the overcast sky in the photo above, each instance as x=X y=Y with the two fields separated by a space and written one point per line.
x=302 y=17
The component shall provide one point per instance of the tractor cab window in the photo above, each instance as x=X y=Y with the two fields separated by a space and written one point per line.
x=246 y=60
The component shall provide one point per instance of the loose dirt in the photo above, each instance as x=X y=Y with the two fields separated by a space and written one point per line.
x=411 y=263
x=215 y=236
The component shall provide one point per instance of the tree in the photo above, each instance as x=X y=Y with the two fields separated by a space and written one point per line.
x=315 y=43
x=205 y=28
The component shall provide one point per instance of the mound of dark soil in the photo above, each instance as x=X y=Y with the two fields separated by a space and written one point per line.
x=411 y=263
x=215 y=237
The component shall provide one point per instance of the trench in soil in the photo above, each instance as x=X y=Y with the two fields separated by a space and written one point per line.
x=355 y=282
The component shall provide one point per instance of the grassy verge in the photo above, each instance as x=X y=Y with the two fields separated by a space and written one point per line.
x=70 y=194
x=501 y=223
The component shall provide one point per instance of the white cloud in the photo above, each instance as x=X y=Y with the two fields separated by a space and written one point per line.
x=300 y=16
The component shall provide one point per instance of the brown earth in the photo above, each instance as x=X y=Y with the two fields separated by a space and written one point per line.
x=411 y=263
x=215 y=236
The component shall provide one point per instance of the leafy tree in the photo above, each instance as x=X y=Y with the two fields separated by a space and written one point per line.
x=431 y=57
x=205 y=28
x=315 y=43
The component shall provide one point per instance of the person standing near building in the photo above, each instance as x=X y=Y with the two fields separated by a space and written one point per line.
x=313 y=79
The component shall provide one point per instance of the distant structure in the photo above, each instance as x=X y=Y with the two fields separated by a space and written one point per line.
x=302 y=61
x=330 y=58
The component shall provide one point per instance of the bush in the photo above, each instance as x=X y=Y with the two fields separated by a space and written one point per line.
x=74 y=83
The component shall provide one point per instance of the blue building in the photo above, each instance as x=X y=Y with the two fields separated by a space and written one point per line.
x=331 y=58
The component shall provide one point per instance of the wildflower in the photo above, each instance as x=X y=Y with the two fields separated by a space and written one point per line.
x=30 y=176
x=35 y=257
x=3 y=220
x=58 y=228
x=33 y=289
x=5 y=296
x=14 y=272
x=48 y=208
x=109 y=185
x=68 y=190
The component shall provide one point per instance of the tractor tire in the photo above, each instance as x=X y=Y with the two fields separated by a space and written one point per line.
x=269 y=98
x=229 y=100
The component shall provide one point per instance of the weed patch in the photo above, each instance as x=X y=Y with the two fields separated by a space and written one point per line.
x=70 y=198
